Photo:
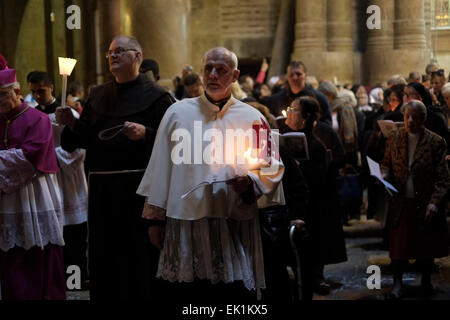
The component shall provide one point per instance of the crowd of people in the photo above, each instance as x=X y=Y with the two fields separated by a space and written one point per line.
x=140 y=236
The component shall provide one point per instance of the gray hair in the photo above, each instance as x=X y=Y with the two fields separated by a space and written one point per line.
x=415 y=105
x=133 y=43
x=348 y=97
x=14 y=86
x=328 y=89
x=396 y=79
x=445 y=91
x=228 y=53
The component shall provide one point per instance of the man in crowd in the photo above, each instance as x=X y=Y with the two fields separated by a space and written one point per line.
x=41 y=87
x=296 y=74
x=31 y=235
x=210 y=239
x=193 y=85
x=150 y=68
x=117 y=128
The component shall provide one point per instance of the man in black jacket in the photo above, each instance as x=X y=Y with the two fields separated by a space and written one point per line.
x=296 y=76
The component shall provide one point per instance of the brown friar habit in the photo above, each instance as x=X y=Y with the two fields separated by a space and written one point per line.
x=122 y=262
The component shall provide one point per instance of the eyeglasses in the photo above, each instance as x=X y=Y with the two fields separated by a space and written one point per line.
x=439 y=72
x=118 y=51
x=292 y=110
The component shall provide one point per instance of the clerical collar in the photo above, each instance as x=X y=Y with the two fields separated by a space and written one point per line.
x=220 y=103
x=44 y=107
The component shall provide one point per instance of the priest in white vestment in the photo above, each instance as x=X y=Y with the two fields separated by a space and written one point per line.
x=202 y=184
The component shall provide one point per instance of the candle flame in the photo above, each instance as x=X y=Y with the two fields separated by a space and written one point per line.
x=284 y=113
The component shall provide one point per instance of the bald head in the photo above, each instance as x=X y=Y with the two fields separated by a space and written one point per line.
x=229 y=56
x=219 y=67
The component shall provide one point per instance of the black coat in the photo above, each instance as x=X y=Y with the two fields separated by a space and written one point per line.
x=322 y=219
x=283 y=99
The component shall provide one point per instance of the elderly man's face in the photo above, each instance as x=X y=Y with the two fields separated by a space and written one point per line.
x=121 y=56
x=8 y=100
x=218 y=75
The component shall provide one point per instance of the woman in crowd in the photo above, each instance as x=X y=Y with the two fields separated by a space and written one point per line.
x=322 y=221
x=395 y=103
x=437 y=82
x=414 y=162
x=436 y=119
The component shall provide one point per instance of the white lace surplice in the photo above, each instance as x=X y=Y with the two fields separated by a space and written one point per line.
x=73 y=186
x=71 y=178
x=216 y=249
x=30 y=211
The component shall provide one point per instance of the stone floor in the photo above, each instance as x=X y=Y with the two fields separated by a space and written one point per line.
x=349 y=279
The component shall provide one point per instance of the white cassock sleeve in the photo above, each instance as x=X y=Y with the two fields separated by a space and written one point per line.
x=15 y=170
x=160 y=166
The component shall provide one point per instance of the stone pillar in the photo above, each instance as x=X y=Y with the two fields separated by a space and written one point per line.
x=163 y=28
x=283 y=36
x=428 y=22
x=382 y=39
x=339 y=28
x=311 y=26
x=109 y=26
x=410 y=24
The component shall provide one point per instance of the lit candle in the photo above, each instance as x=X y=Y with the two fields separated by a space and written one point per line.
x=66 y=66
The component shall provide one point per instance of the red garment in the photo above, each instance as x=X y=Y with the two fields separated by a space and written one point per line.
x=35 y=274
x=414 y=240
x=32 y=132
x=261 y=76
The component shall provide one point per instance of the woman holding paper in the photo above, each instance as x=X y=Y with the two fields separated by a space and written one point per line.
x=414 y=162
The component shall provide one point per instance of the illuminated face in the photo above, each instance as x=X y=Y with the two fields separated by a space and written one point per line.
x=218 y=75
x=121 y=56
x=394 y=101
x=413 y=121
x=42 y=93
x=8 y=100
x=295 y=120
x=296 y=78
x=411 y=94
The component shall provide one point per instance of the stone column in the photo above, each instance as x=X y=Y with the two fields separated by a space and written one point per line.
x=410 y=24
x=109 y=26
x=339 y=28
x=163 y=28
x=428 y=21
x=382 y=39
x=310 y=27
x=283 y=36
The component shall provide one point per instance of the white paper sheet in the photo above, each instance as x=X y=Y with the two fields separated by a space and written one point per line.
x=375 y=171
